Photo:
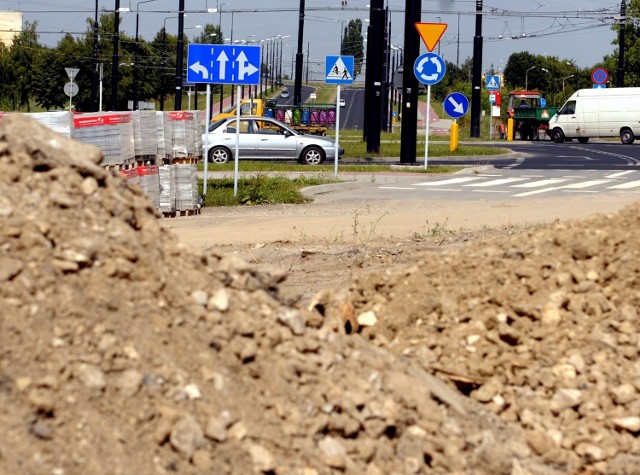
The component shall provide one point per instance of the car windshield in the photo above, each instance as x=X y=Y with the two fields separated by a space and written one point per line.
x=213 y=126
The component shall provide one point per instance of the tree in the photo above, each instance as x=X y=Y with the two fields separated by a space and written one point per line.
x=353 y=43
x=19 y=71
x=631 y=48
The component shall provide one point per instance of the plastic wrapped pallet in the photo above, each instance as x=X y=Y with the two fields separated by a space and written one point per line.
x=186 y=186
x=60 y=122
x=149 y=181
x=111 y=132
x=186 y=134
x=144 y=134
x=164 y=134
x=167 y=192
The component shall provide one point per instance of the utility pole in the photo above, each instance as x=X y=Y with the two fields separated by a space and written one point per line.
x=94 y=77
x=623 y=20
x=179 y=56
x=477 y=74
x=408 y=132
x=297 y=90
x=375 y=75
x=115 y=59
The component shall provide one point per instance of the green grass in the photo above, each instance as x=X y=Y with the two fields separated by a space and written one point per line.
x=260 y=189
x=320 y=171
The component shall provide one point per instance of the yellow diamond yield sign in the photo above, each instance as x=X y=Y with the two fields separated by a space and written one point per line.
x=431 y=33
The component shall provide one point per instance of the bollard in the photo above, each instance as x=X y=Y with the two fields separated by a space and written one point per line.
x=510 y=130
x=453 y=140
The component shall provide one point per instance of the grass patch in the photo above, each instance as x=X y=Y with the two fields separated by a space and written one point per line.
x=320 y=172
x=259 y=189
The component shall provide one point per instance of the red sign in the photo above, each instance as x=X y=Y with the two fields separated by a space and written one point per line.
x=599 y=76
x=95 y=120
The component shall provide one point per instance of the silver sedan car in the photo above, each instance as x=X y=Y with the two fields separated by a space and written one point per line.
x=265 y=138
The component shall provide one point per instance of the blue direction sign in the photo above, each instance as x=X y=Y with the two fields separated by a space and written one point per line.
x=339 y=70
x=429 y=68
x=456 y=105
x=223 y=64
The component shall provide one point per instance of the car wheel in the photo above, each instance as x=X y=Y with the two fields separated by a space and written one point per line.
x=583 y=139
x=312 y=156
x=219 y=155
x=557 y=135
x=627 y=137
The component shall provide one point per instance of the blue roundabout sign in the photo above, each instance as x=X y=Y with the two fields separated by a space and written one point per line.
x=429 y=68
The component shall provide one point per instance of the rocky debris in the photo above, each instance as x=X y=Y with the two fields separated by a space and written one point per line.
x=122 y=352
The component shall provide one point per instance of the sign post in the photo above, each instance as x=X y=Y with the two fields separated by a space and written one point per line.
x=224 y=64
x=338 y=70
x=70 y=88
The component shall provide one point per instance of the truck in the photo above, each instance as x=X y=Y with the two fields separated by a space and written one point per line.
x=311 y=119
x=530 y=114
x=613 y=112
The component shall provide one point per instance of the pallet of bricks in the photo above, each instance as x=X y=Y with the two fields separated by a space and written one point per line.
x=115 y=134
x=179 y=173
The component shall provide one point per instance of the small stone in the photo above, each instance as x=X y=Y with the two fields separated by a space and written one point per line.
x=199 y=297
x=631 y=424
x=565 y=399
x=367 y=319
x=293 y=320
x=41 y=430
x=623 y=394
x=91 y=376
x=219 y=300
x=186 y=436
x=263 y=461
x=334 y=451
x=129 y=382
x=202 y=460
x=192 y=392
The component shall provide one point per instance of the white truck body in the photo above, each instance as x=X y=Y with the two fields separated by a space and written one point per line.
x=613 y=112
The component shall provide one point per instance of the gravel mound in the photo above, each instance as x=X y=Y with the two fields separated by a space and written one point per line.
x=123 y=353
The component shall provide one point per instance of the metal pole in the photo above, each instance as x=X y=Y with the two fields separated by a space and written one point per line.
x=179 y=57
x=621 y=46
x=94 y=77
x=477 y=73
x=297 y=91
x=115 y=58
x=409 y=98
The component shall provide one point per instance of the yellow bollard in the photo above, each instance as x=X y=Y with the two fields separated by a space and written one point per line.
x=510 y=129
x=453 y=139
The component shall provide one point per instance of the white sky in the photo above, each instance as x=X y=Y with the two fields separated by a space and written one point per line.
x=573 y=30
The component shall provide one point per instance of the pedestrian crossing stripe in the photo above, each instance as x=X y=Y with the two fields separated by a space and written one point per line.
x=339 y=71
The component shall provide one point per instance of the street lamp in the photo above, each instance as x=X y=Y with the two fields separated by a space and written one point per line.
x=439 y=21
x=164 y=60
x=136 y=55
x=564 y=79
x=526 y=78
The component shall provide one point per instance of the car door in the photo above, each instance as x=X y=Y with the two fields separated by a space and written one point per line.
x=273 y=141
x=248 y=142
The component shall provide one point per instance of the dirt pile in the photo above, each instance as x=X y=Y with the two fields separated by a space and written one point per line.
x=123 y=353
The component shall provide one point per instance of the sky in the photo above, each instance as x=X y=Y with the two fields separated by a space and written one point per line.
x=578 y=31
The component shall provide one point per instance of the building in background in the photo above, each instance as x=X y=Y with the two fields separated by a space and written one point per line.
x=10 y=26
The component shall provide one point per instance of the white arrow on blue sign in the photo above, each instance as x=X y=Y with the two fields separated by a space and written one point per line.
x=429 y=68
x=223 y=64
x=456 y=105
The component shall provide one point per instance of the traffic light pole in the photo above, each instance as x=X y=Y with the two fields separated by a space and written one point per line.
x=408 y=132
x=477 y=74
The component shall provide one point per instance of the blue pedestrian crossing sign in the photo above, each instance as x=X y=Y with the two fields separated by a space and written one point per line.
x=339 y=70
x=493 y=83
x=223 y=64
x=429 y=68
x=456 y=105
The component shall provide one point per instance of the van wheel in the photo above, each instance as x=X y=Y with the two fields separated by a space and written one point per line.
x=627 y=137
x=557 y=135
x=583 y=139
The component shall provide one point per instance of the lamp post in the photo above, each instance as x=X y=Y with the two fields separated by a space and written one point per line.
x=526 y=78
x=439 y=21
x=179 y=56
x=164 y=61
x=136 y=55
x=564 y=79
x=94 y=77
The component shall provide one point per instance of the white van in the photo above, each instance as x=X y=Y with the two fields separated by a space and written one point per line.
x=590 y=113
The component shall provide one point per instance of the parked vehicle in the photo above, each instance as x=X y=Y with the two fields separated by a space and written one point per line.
x=530 y=114
x=266 y=138
x=312 y=119
x=613 y=112
x=284 y=94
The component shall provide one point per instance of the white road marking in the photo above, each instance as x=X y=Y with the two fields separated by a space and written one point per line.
x=395 y=188
x=535 y=184
x=495 y=182
x=625 y=186
x=619 y=174
x=451 y=181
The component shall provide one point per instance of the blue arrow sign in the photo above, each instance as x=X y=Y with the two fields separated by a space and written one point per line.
x=223 y=64
x=456 y=105
x=429 y=68
x=339 y=70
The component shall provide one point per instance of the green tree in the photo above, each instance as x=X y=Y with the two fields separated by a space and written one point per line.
x=20 y=74
x=353 y=43
x=631 y=64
